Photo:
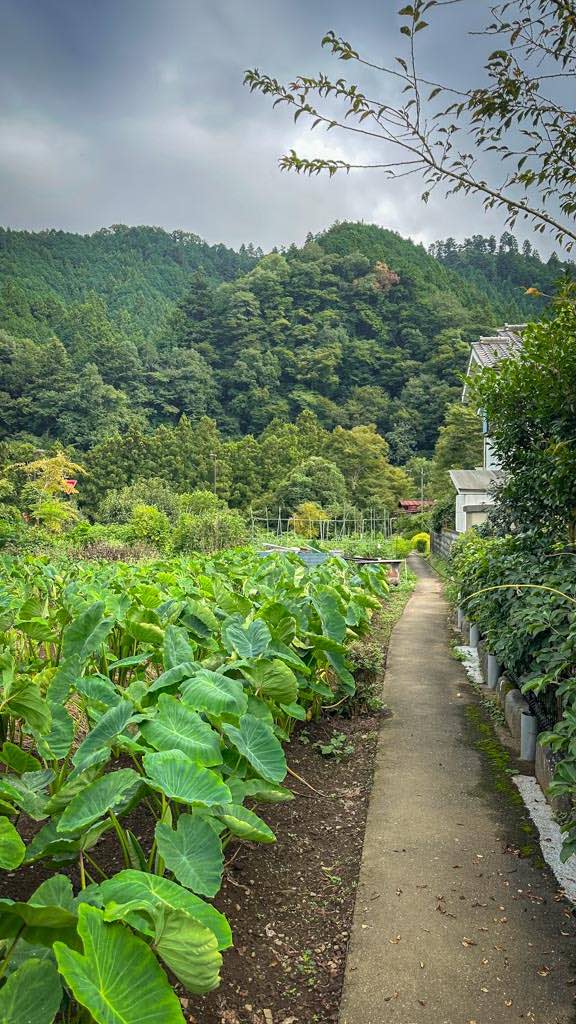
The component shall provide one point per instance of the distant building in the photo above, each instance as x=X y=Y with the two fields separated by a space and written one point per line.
x=475 y=487
x=412 y=506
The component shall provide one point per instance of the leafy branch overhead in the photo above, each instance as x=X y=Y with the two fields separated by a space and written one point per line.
x=442 y=132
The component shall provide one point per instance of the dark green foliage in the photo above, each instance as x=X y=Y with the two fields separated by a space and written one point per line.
x=315 y=480
x=504 y=272
x=530 y=403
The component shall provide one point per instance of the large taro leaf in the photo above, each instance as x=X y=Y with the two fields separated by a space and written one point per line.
x=17 y=759
x=189 y=950
x=63 y=680
x=86 y=633
x=98 y=690
x=12 y=849
x=275 y=680
x=100 y=739
x=22 y=699
x=199 y=618
x=177 y=647
x=258 y=790
x=48 y=915
x=49 y=843
x=193 y=853
x=247 y=642
x=256 y=742
x=139 y=887
x=111 y=792
x=172 y=773
x=117 y=978
x=177 y=728
x=31 y=995
x=56 y=743
x=244 y=823
x=170 y=679
x=214 y=693
x=333 y=622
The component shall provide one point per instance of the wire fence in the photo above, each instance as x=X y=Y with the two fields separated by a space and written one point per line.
x=280 y=522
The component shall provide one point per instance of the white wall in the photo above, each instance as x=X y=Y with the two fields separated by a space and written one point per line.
x=468 y=498
x=491 y=460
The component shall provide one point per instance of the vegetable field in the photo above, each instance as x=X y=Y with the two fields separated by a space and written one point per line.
x=167 y=690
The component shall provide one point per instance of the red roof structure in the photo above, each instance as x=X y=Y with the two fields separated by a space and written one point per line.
x=412 y=506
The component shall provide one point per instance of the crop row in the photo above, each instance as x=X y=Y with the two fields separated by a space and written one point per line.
x=169 y=688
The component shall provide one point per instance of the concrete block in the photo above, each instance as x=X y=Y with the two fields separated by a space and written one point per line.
x=544 y=772
x=503 y=687
x=514 y=705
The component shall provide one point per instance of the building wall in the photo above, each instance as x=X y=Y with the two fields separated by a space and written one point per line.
x=469 y=498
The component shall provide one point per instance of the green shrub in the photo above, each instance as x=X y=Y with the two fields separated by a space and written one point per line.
x=200 y=501
x=151 y=525
x=408 y=525
x=118 y=505
x=421 y=543
x=212 y=530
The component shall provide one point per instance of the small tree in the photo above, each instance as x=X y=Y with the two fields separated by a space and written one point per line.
x=530 y=402
x=459 y=446
x=440 y=132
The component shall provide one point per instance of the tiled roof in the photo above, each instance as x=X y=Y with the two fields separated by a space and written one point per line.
x=489 y=351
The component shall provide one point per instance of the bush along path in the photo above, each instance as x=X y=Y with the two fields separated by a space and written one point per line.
x=456 y=920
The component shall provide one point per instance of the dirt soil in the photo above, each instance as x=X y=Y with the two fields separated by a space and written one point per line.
x=290 y=905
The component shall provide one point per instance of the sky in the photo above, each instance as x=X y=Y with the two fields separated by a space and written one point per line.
x=134 y=112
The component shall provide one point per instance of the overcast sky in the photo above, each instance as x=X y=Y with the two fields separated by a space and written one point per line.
x=133 y=111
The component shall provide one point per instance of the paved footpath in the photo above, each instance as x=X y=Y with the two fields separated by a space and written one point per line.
x=450 y=926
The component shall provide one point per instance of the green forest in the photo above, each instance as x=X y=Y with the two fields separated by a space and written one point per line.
x=146 y=354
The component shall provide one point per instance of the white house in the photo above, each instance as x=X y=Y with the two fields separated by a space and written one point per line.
x=474 y=487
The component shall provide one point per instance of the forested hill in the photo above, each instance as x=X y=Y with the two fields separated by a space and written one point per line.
x=138 y=272
x=134 y=327
x=503 y=271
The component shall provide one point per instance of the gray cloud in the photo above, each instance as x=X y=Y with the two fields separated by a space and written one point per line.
x=133 y=111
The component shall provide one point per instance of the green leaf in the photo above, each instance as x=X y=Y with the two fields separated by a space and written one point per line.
x=200 y=619
x=193 y=853
x=103 y=735
x=17 y=759
x=274 y=679
x=98 y=690
x=189 y=950
x=245 y=824
x=138 y=993
x=258 y=790
x=178 y=728
x=56 y=743
x=248 y=643
x=111 y=792
x=214 y=693
x=63 y=681
x=177 y=647
x=295 y=710
x=31 y=995
x=12 y=849
x=173 y=676
x=24 y=701
x=333 y=622
x=140 y=887
x=175 y=775
x=86 y=633
x=258 y=744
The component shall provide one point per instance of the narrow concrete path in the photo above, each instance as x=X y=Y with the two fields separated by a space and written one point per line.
x=450 y=926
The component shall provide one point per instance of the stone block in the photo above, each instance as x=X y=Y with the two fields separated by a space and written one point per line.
x=514 y=704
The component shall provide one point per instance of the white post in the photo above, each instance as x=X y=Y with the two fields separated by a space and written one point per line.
x=474 y=635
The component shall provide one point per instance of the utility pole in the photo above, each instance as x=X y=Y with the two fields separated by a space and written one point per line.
x=421 y=488
x=214 y=456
